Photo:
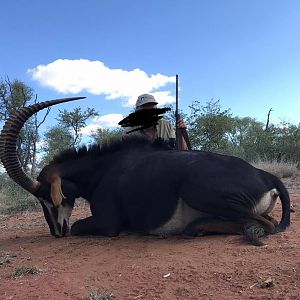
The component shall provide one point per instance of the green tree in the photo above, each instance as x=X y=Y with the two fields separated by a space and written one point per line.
x=75 y=121
x=170 y=115
x=56 y=139
x=214 y=129
x=241 y=138
x=105 y=136
x=288 y=142
x=209 y=126
x=14 y=95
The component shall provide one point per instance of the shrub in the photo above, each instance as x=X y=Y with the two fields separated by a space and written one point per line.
x=100 y=294
x=13 y=198
x=23 y=271
x=281 y=169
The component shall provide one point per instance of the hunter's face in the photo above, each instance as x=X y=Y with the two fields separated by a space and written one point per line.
x=146 y=106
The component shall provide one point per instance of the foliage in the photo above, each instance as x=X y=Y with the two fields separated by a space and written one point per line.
x=14 y=95
x=281 y=169
x=288 y=141
x=170 y=115
x=56 y=139
x=209 y=126
x=13 y=198
x=214 y=129
x=75 y=121
x=104 y=136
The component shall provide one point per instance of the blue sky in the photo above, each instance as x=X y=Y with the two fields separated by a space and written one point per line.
x=245 y=53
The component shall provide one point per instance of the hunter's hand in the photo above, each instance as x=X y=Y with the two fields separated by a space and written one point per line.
x=181 y=123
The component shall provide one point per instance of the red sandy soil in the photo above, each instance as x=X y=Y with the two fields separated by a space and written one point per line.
x=138 y=267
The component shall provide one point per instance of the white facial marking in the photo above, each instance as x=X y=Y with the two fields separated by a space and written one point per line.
x=64 y=213
x=48 y=204
x=267 y=202
x=54 y=221
x=182 y=216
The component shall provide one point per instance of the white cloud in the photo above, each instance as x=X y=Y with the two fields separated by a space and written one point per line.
x=106 y=121
x=82 y=75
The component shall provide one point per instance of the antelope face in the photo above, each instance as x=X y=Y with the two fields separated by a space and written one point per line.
x=57 y=215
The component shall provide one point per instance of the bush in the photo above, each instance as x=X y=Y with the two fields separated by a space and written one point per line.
x=280 y=169
x=100 y=294
x=13 y=198
x=24 y=271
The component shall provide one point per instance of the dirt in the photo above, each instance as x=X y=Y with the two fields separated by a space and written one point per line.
x=143 y=267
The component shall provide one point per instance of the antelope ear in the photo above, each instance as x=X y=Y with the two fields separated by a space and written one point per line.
x=56 y=193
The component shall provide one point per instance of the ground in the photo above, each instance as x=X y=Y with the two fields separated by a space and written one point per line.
x=139 y=267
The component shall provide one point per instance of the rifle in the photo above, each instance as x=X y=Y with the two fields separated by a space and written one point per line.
x=180 y=132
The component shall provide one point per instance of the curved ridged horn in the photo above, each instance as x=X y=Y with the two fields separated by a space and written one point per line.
x=8 y=142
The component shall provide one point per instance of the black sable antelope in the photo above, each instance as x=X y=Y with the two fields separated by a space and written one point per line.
x=144 y=187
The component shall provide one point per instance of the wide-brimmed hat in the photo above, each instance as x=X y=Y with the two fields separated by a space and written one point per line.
x=143 y=99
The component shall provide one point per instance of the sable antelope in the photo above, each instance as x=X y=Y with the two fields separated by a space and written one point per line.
x=145 y=187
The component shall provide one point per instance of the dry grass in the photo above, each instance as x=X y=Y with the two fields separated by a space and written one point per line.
x=3 y=206
x=11 y=203
x=280 y=169
x=100 y=294
x=6 y=257
x=23 y=271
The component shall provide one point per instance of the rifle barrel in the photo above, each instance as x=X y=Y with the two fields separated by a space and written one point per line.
x=177 y=115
